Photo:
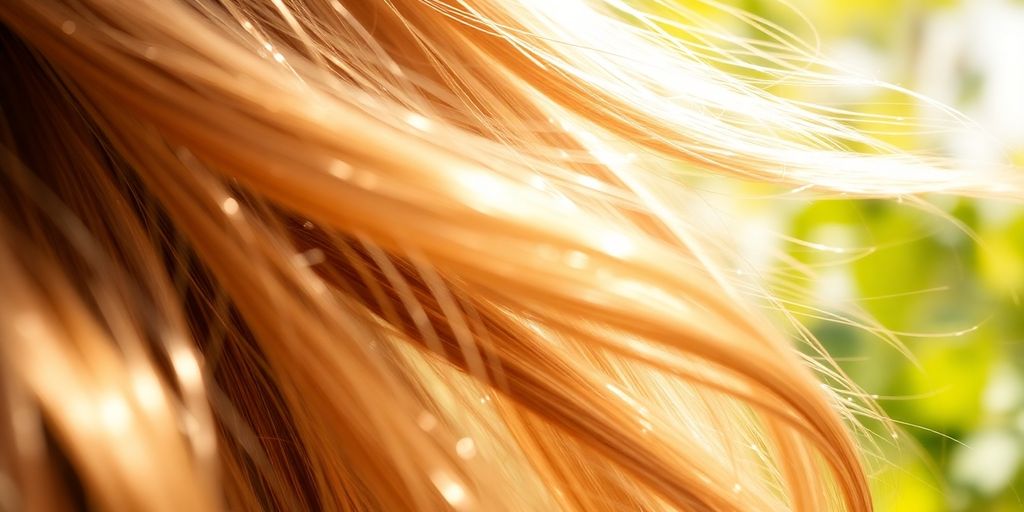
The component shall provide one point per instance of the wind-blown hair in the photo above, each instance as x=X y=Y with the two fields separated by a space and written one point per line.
x=406 y=255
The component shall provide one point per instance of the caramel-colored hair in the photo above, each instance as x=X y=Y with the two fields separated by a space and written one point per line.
x=402 y=255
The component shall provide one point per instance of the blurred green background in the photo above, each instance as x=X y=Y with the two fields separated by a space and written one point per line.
x=946 y=281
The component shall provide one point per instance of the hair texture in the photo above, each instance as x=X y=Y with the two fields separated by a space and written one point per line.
x=408 y=255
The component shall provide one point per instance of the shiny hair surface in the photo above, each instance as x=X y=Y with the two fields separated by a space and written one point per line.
x=405 y=255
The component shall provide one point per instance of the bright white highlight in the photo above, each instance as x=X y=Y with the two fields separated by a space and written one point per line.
x=466 y=448
x=230 y=206
x=616 y=244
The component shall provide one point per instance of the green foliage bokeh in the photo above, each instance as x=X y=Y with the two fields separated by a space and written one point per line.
x=946 y=279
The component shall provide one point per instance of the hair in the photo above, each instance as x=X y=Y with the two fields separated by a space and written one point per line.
x=409 y=255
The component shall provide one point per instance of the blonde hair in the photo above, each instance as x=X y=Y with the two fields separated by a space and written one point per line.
x=402 y=255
